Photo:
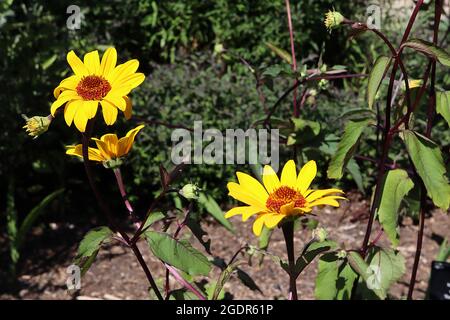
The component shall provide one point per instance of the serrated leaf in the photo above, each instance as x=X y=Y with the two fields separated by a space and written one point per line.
x=346 y=148
x=211 y=206
x=93 y=240
x=428 y=161
x=396 y=185
x=283 y=54
x=375 y=77
x=355 y=171
x=443 y=105
x=178 y=253
x=328 y=270
x=430 y=50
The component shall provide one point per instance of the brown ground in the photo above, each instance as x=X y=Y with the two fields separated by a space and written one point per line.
x=117 y=275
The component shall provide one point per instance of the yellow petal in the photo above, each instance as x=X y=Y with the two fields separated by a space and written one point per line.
x=132 y=81
x=306 y=176
x=237 y=192
x=63 y=98
x=81 y=118
x=253 y=186
x=288 y=208
x=111 y=142
x=273 y=220
x=103 y=148
x=126 y=143
x=109 y=112
x=270 y=179
x=93 y=154
x=109 y=61
x=122 y=71
x=331 y=201
x=92 y=62
x=128 y=109
x=116 y=101
x=258 y=224
x=320 y=193
x=77 y=66
x=245 y=211
x=91 y=107
x=69 y=83
x=289 y=174
x=70 y=110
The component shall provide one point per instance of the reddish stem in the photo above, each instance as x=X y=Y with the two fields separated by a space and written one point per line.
x=294 y=60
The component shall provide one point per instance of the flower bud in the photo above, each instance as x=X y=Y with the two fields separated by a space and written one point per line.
x=320 y=234
x=190 y=191
x=342 y=254
x=333 y=20
x=35 y=126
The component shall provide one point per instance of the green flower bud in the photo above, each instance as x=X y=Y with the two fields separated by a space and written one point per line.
x=35 y=126
x=112 y=163
x=342 y=254
x=320 y=234
x=190 y=191
x=333 y=20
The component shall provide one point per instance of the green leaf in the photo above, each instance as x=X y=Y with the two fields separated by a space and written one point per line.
x=211 y=206
x=223 y=278
x=283 y=54
x=178 y=253
x=355 y=171
x=327 y=275
x=396 y=185
x=375 y=77
x=90 y=246
x=93 y=240
x=152 y=218
x=430 y=50
x=346 y=279
x=264 y=238
x=311 y=251
x=443 y=105
x=33 y=215
x=428 y=161
x=346 y=148
x=444 y=251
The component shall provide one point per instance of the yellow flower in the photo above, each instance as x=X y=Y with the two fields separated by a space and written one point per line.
x=275 y=200
x=109 y=148
x=96 y=82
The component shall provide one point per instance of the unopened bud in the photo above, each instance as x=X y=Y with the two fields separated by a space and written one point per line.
x=190 y=191
x=320 y=234
x=35 y=126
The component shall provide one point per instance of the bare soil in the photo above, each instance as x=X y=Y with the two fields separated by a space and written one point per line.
x=117 y=275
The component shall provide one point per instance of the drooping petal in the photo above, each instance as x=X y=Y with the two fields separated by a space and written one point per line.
x=111 y=142
x=289 y=174
x=103 y=148
x=76 y=64
x=109 y=112
x=272 y=220
x=306 y=176
x=270 y=179
x=108 y=63
x=320 y=193
x=253 y=186
x=239 y=193
x=92 y=62
x=129 y=108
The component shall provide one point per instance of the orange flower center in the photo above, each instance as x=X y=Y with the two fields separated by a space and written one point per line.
x=93 y=88
x=282 y=196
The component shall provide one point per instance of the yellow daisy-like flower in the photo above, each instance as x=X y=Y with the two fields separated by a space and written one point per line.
x=96 y=82
x=109 y=148
x=277 y=199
